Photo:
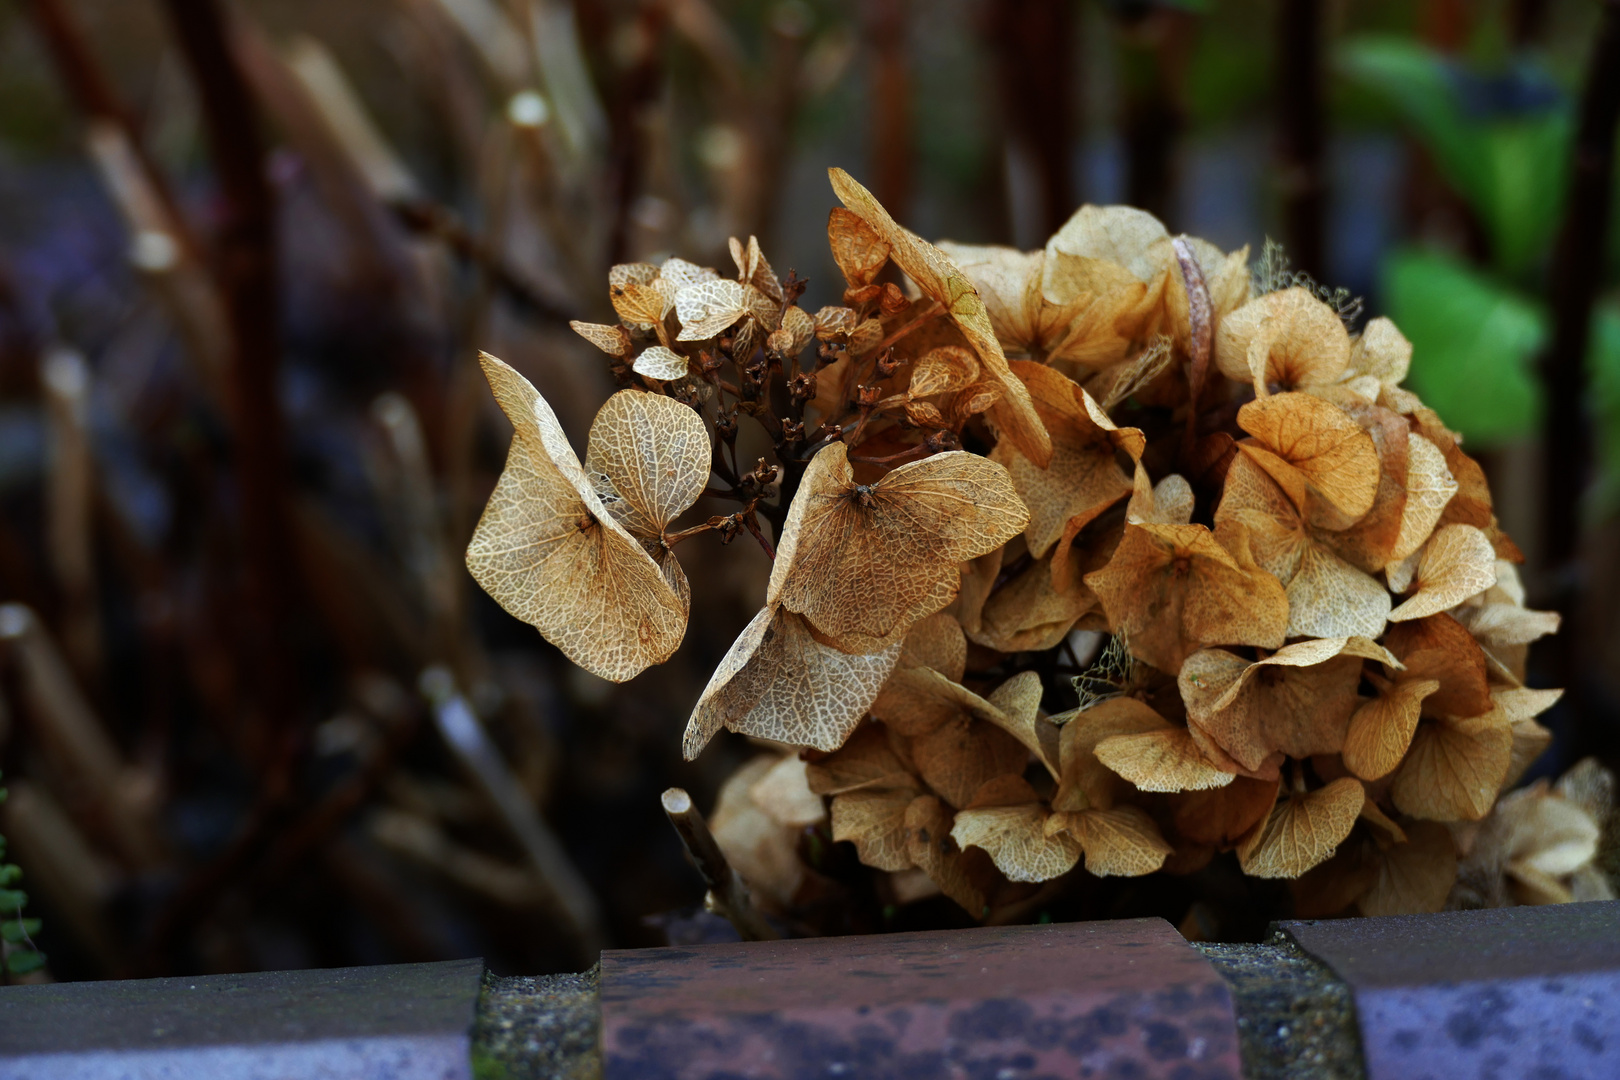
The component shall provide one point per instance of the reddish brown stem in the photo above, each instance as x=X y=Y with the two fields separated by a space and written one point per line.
x=245 y=266
x=1036 y=68
x=891 y=110
x=1302 y=131
x=93 y=93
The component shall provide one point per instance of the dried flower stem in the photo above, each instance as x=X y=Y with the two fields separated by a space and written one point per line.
x=1201 y=321
x=728 y=893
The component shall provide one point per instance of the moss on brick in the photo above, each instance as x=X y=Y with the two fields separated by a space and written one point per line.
x=1296 y=1020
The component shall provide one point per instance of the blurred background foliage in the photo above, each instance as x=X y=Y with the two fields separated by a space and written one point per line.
x=253 y=713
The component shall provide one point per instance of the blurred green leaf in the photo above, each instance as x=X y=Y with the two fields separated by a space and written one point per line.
x=1473 y=343
x=12 y=900
x=1413 y=79
x=25 y=961
x=16 y=931
x=1526 y=162
x=1509 y=168
x=1604 y=369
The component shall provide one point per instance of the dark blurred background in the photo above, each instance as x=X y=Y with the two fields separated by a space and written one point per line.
x=253 y=712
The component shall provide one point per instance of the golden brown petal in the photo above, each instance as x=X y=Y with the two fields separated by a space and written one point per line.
x=856 y=247
x=1302 y=831
x=1415 y=877
x=1084 y=782
x=864 y=761
x=1082 y=476
x=1458 y=562
x=936 y=642
x=943 y=370
x=1381 y=729
x=1030 y=613
x=1172 y=588
x=552 y=554
x=1429 y=489
x=1122 y=842
x=785 y=796
x=1440 y=648
x=1014 y=837
x=1321 y=440
x=1166 y=760
x=778 y=682
x=1288 y=338
x=1220 y=817
x=758 y=846
x=1454 y=768
x=610 y=339
x=940 y=279
x=648 y=458
x=875 y=821
x=962 y=755
x=866 y=561
x=1298 y=701
x=929 y=845
x=1327 y=597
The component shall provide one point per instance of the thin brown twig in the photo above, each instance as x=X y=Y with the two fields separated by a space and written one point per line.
x=430 y=219
x=728 y=893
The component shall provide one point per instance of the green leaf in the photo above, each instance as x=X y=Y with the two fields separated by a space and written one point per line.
x=1413 y=79
x=1603 y=366
x=1524 y=188
x=25 y=961
x=1473 y=345
x=16 y=931
x=12 y=900
x=10 y=874
x=1509 y=170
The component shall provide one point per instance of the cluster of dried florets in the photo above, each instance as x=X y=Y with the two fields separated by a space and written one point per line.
x=1314 y=633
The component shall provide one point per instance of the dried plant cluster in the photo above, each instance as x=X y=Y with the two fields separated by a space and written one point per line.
x=1309 y=633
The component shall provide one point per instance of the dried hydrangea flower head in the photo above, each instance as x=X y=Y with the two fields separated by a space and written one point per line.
x=1309 y=632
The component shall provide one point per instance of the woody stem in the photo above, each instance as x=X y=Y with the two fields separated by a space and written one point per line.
x=728 y=893
x=671 y=539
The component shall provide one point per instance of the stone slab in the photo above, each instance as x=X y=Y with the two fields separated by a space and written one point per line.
x=1076 y=1000
x=1531 y=992
x=392 y=1022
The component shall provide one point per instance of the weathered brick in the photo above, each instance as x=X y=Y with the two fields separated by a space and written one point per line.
x=404 y=1021
x=1126 y=998
x=1528 y=992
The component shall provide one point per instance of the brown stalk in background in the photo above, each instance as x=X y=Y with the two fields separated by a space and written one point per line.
x=87 y=84
x=1302 y=131
x=65 y=379
x=886 y=23
x=1037 y=71
x=245 y=267
x=1155 y=109
x=637 y=89
x=245 y=261
x=1576 y=274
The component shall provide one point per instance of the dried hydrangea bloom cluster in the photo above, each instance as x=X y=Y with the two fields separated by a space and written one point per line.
x=1315 y=634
